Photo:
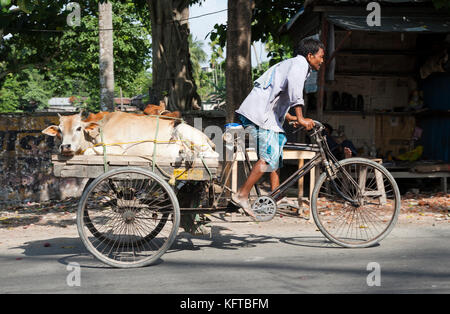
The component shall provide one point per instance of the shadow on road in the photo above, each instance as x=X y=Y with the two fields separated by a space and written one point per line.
x=71 y=249
x=226 y=241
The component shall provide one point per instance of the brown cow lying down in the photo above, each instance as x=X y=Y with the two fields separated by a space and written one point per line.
x=95 y=117
x=161 y=110
x=129 y=134
x=149 y=110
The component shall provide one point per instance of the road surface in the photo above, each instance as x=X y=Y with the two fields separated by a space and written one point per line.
x=285 y=256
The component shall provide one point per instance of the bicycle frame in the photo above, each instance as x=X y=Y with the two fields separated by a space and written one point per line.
x=278 y=192
x=324 y=159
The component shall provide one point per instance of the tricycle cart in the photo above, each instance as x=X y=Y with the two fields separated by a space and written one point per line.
x=129 y=212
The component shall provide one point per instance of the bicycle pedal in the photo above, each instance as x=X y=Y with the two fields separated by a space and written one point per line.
x=264 y=208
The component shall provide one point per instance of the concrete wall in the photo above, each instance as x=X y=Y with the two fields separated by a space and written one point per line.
x=25 y=161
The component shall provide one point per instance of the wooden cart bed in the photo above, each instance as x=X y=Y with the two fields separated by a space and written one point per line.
x=92 y=166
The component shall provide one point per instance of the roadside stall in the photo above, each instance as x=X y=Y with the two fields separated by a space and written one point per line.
x=384 y=85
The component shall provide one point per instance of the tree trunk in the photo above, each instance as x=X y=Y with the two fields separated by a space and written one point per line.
x=106 y=56
x=172 y=68
x=238 y=60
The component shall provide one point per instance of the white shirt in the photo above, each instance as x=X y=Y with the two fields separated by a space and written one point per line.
x=275 y=92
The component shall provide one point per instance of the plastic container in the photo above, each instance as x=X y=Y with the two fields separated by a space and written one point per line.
x=232 y=126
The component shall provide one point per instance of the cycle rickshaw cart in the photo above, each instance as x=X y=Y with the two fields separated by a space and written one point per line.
x=129 y=212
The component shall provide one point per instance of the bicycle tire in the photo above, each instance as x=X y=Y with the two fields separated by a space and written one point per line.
x=373 y=213
x=104 y=236
x=136 y=226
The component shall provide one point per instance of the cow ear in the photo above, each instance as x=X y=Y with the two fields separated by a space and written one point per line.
x=91 y=128
x=52 y=130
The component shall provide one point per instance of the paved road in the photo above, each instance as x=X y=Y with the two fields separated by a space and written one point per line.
x=277 y=257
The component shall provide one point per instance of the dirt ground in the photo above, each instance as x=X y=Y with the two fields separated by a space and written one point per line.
x=51 y=219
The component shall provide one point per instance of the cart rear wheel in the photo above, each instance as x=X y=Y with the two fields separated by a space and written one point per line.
x=87 y=219
x=128 y=217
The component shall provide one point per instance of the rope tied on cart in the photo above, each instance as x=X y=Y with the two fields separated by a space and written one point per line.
x=105 y=164
x=154 y=145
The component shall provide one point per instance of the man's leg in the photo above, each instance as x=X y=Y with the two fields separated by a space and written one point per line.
x=241 y=197
x=257 y=172
x=275 y=179
x=269 y=148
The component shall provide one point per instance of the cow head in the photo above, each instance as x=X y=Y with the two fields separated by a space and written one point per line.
x=73 y=133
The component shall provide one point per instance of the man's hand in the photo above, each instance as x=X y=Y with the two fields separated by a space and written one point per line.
x=292 y=120
x=307 y=123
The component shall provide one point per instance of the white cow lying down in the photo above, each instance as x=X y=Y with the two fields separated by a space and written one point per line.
x=130 y=134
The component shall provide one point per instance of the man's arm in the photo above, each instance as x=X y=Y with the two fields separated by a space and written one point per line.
x=307 y=123
x=296 y=78
x=291 y=118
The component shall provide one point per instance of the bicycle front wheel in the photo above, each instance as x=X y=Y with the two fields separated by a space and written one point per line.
x=359 y=206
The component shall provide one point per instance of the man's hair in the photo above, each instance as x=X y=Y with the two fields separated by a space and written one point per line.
x=308 y=46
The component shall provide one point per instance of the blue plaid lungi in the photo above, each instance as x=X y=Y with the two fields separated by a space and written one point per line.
x=269 y=143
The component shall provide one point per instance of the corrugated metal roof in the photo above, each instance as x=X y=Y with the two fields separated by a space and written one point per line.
x=308 y=4
x=435 y=24
x=322 y=2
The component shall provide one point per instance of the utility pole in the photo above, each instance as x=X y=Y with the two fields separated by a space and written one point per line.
x=106 y=61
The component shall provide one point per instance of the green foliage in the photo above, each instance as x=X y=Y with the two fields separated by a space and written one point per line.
x=5 y=3
x=257 y=72
x=219 y=93
x=211 y=85
x=198 y=56
x=36 y=94
x=68 y=60
x=442 y=4
x=26 y=48
x=279 y=49
x=131 y=53
x=139 y=85
x=268 y=17
x=217 y=51
x=9 y=94
x=26 y=91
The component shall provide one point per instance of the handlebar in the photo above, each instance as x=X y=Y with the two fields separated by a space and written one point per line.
x=317 y=125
